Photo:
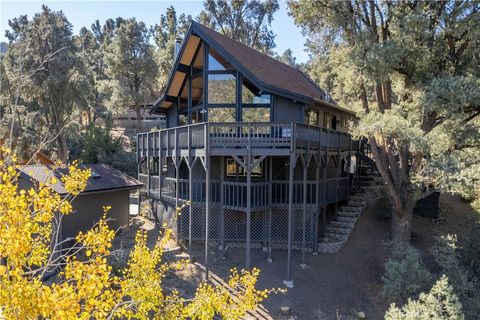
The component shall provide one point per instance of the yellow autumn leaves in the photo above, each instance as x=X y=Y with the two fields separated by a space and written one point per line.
x=85 y=287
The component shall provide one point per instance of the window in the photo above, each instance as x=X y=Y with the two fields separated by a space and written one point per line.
x=216 y=61
x=334 y=123
x=233 y=167
x=327 y=122
x=221 y=114
x=256 y=114
x=249 y=97
x=311 y=117
x=221 y=89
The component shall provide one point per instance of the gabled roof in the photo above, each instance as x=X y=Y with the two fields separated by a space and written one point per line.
x=103 y=177
x=265 y=72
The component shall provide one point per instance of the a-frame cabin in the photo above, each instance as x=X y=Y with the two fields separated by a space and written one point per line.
x=256 y=138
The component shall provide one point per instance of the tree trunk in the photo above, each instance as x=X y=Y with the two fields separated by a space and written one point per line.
x=139 y=118
x=62 y=150
x=402 y=216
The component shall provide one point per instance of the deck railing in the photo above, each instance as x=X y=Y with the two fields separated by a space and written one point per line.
x=234 y=193
x=240 y=134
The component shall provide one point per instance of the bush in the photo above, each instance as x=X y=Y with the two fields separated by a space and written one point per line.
x=98 y=146
x=405 y=274
x=464 y=282
x=440 y=303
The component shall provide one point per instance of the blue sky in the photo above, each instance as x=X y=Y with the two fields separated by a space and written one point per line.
x=84 y=13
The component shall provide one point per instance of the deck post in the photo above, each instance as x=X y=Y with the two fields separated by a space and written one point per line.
x=148 y=165
x=222 y=207
x=289 y=282
x=270 y=191
x=348 y=166
x=248 y=167
x=325 y=167
x=177 y=186
x=304 y=209
x=190 y=193
x=317 y=202
x=339 y=173
x=160 y=165
x=207 y=197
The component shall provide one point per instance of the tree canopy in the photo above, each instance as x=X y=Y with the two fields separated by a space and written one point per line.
x=411 y=70
x=248 y=22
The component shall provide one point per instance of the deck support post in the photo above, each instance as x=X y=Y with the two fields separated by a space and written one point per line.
x=190 y=207
x=304 y=209
x=222 y=208
x=317 y=203
x=207 y=198
x=289 y=282
x=325 y=175
x=270 y=191
x=190 y=164
x=339 y=173
x=349 y=164
x=248 y=166
x=177 y=162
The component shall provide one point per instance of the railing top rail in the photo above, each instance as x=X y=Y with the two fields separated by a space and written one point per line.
x=247 y=124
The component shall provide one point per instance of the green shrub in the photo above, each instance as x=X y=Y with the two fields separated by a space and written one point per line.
x=405 y=274
x=98 y=146
x=440 y=303
x=464 y=282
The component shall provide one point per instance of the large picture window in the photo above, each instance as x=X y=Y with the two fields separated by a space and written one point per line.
x=249 y=97
x=256 y=114
x=221 y=89
x=221 y=114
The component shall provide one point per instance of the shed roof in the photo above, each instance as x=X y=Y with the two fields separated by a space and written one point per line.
x=103 y=178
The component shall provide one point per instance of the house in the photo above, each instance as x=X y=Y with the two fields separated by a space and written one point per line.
x=105 y=187
x=254 y=147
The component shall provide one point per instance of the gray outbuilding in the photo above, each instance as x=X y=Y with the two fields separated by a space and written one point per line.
x=106 y=187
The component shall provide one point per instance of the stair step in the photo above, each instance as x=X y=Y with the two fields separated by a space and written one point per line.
x=337 y=236
x=330 y=246
x=357 y=203
x=350 y=208
x=331 y=229
x=346 y=219
x=341 y=224
x=350 y=214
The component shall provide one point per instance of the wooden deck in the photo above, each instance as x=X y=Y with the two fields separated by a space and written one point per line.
x=226 y=139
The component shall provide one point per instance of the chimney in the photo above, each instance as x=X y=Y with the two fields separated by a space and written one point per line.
x=176 y=50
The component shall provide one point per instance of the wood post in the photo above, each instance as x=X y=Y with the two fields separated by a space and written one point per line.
x=207 y=198
x=222 y=208
x=289 y=282
x=304 y=218
x=270 y=191
x=248 y=167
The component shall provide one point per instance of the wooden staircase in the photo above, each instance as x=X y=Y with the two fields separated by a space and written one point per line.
x=339 y=228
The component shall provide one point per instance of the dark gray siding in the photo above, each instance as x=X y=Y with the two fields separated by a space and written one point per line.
x=287 y=110
x=89 y=208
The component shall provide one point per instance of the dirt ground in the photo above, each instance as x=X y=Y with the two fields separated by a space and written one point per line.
x=333 y=286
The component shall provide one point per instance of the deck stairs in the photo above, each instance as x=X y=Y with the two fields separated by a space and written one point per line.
x=339 y=228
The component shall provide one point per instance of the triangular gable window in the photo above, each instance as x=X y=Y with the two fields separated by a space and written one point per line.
x=216 y=62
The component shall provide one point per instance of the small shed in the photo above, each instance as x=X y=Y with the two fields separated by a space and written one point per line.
x=105 y=187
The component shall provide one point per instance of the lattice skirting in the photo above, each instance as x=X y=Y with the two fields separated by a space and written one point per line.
x=233 y=225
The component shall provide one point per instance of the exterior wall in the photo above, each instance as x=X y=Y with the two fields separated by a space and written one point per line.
x=340 y=115
x=172 y=120
x=287 y=110
x=88 y=209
